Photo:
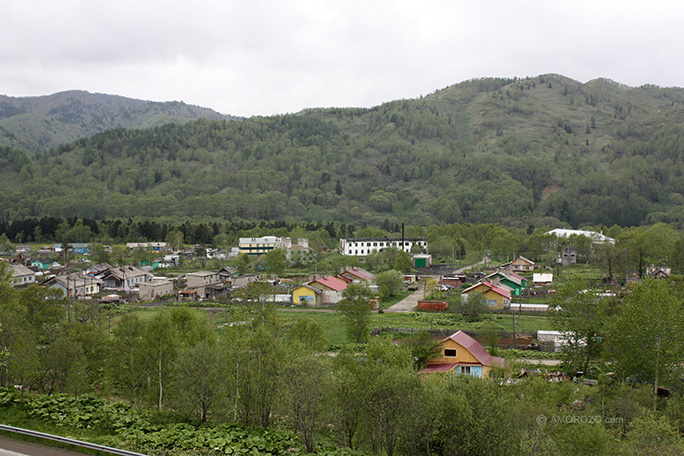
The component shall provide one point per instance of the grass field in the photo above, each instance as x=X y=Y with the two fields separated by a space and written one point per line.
x=333 y=323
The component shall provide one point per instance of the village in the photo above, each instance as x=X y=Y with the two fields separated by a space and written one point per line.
x=517 y=289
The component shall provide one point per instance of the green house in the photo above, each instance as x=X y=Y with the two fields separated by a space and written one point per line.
x=515 y=282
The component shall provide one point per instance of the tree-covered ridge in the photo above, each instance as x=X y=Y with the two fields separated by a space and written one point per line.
x=535 y=151
x=35 y=124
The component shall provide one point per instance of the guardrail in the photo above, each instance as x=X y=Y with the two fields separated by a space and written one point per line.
x=72 y=442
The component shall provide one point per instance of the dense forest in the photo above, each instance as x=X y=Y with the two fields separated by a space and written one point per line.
x=36 y=124
x=523 y=152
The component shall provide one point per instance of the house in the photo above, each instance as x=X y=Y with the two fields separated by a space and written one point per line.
x=157 y=288
x=97 y=269
x=125 y=277
x=44 y=263
x=44 y=250
x=76 y=247
x=510 y=280
x=362 y=247
x=659 y=273
x=522 y=264
x=461 y=354
x=454 y=281
x=307 y=295
x=244 y=280
x=75 y=285
x=23 y=248
x=324 y=290
x=227 y=273
x=542 y=280
x=81 y=248
x=22 y=275
x=496 y=297
x=356 y=275
x=207 y=284
x=155 y=246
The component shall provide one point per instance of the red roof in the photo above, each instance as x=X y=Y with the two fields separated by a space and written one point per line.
x=333 y=283
x=517 y=276
x=491 y=286
x=357 y=273
x=475 y=348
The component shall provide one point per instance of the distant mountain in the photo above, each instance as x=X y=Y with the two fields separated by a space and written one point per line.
x=35 y=124
x=539 y=151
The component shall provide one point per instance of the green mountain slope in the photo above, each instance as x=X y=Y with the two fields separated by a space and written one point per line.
x=36 y=124
x=543 y=150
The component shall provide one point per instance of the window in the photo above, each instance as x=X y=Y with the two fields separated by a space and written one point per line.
x=465 y=370
x=449 y=352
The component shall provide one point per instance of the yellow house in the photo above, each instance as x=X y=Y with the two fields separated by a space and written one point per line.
x=307 y=295
x=461 y=354
x=496 y=296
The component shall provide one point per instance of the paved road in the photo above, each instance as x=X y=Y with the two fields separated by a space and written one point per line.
x=11 y=447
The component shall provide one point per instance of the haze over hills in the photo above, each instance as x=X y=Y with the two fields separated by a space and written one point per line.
x=36 y=124
x=524 y=152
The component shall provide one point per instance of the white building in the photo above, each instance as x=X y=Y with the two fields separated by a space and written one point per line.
x=365 y=246
x=593 y=235
x=264 y=244
x=22 y=275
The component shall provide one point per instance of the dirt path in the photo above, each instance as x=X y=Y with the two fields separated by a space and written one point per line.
x=409 y=303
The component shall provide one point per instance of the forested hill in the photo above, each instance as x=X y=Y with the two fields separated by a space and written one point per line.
x=36 y=124
x=535 y=151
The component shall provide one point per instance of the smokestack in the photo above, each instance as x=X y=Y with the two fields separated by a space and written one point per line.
x=402 y=237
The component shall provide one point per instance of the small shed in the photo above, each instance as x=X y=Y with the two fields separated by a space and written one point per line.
x=542 y=280
x=422 y=261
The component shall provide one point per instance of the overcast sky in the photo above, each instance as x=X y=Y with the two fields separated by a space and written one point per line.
x=264 y=57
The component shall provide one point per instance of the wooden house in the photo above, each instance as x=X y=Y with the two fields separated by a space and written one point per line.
x=522 y=264
x=461 y=354
x=496 y=297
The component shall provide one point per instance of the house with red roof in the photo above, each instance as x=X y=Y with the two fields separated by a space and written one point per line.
x=461 y=354
x=497 y=297
x=356 y=275
x=321 y=291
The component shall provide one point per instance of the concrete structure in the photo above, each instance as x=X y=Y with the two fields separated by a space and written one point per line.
x=362 y=247
x=568 y=255
x=199 y=281
x=156 y=288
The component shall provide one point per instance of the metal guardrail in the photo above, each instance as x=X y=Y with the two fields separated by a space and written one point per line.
x=72 y=442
